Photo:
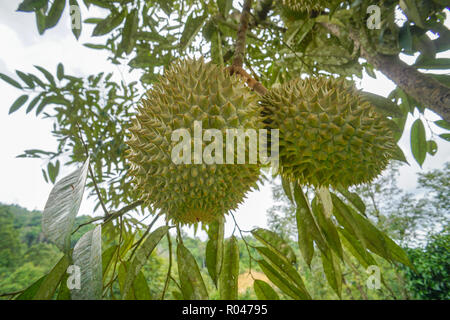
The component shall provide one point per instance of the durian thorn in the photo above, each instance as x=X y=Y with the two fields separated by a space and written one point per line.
x=252 y=83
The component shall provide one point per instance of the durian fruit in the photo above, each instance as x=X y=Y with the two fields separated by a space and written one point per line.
x=191 y=91
x=329 y=135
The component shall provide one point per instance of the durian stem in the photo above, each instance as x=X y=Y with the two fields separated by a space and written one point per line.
x=252 y=83
x=239 y=53
x=423 y=88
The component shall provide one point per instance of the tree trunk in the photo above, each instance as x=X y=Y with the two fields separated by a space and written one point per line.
x=424 y=89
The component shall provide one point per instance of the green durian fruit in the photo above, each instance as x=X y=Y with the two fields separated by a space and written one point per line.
x=191 y=91
x=329 y=135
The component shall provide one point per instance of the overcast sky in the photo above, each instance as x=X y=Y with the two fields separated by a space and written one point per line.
x=21 y=180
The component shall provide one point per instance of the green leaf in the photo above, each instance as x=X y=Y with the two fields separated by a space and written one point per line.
x=443 y=124
x=419 y=141
x=228 y=280
x=107 y=257
x=396 y=252
x=345 y=218
x=47 y=75
x=55 y=13
x=327 y=226
x=287 y=188
x=192 y=27
x=60 y=71
x=63 y=290
x=356 y=249
x=445 y=136
x=282 y=282
x=383 y=104
x=26 y=78
x=397 y=154
x=435 y=64
x=332 y=272
x=141 y=257
x=308 y=228
x=11 y=81
x=108 y=24
x=31 y=5
x=224 y=7
x=30 y=292
x=275 y=243
x=40 y=21
x=432 y=147
x=214 y=249
x=87 y=255
x=192 y=285
x=48 y=286
x=18 y=103
x=264 y=291
x=62 y=207
x=129 y=32
x=141 y=289
x=411 y=10
x=354 y=199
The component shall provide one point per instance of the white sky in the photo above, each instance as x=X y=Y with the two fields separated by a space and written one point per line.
x=21 y=180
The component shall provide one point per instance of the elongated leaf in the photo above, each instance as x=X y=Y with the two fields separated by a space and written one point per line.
x=33 y=103
x=308 y=228
x=418 y=141
x=445 y=136
x=87 y=255
x=286 y=184
x=443 y=124
x=142 y=255
x=345 y=219
x=63 y=290
x=55 y=13
x=11 y=81
x=48 y=286
x=31 y=5
x=40 y=21
x=383 y=104
x=108 y=24
x=228 y=280
x=333 y=272
x=60 y=71
x=26 y=78
x=47 y=75
x=354 y=199
x=30 y=292
x=397 y=253
x=192 y=285
x=214 y=249
x=191 y=29
x=327 y=226
x=107 y=257
x=62 y=207
x=283 y=268
x=275 y=243
x=283 y=283
x=264 y=291
x=140 y=288
x=18 y=103
x=129 y=32
x=356 y=249
x=411 y=10
x=434 y=64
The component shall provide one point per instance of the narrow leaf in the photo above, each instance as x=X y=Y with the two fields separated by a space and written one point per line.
x=264 y=291
x=192 y=285
x=275 y=243
x=62 y=207
x=228 y=280
x=18 y=103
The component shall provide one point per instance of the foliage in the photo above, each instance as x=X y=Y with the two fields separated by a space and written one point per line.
x=431 y=281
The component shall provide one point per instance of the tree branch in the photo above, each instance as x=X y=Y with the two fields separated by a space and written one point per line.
x=239 y=52
x=423 y=88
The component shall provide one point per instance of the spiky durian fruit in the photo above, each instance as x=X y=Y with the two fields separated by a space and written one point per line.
x=329 y=135
x=191 y=92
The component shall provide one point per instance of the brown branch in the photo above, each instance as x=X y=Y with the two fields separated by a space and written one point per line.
x=91 y=173
x=424 y=89
x=239 y=52
x=252 y=83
